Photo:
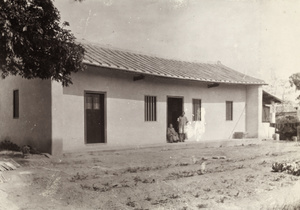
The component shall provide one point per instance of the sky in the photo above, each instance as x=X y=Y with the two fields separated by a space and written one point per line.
x=256 y=37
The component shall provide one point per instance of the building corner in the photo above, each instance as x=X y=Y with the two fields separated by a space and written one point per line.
x=254 y=111
x=56 y=118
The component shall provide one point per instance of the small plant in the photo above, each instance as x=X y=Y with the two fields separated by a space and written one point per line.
x=221 y=200
x=200 y=172
x=141 y=169
x=161 y=201
x=183 y=164
x=148 y=180
x=240 y=167
x=263 y=162
x=78 y=177
x=130 y=202
x=101 y=189
x=131 y=170
x=200 y=206
x=183 y=174
x=25 y=150
x=148 y=198
x=137 y=179
x=173 y=196
x=124 y=183
x=249 y=178
x=207 y=189
x=276 y=179
x=85 y=187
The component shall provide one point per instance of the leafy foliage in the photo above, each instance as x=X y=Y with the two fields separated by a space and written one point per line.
x=34 y=45
x=295 y=80
x=286 y=131
x=6 y=144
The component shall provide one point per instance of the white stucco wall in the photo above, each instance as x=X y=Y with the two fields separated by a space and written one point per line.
x=266 y=132
x=57 y=118
x=52 y=117
x=33 y=126
x=254 y=124
x=125 y=123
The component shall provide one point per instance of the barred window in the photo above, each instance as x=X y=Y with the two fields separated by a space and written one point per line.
x=229 y=109
x=16 y=104
x=150 y=108
x=196 y=110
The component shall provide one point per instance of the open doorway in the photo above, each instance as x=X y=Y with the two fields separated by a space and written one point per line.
x=174 y=110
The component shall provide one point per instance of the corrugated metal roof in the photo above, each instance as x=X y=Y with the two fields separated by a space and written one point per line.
x=152 y=65
x=268 y=98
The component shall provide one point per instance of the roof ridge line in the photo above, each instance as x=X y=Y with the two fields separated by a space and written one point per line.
x=95 y=44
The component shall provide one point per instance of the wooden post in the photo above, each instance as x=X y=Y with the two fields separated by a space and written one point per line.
x=273 y=112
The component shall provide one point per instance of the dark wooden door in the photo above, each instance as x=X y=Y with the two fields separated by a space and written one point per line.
x=95 y=123
x=174 y=111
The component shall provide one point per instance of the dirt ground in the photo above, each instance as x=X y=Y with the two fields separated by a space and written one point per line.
x=181 y=176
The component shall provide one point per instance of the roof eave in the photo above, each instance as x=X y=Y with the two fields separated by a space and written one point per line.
x=172 y=77
x=272 y=97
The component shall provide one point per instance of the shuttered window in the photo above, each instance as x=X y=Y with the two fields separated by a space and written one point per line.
x=196 y=110
x=150 y=108
x=229 y=109
x=16 y=104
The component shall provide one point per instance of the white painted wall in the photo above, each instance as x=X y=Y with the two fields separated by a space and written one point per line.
x=33 y=126
x=57 y=123
x=266 y=132
x=125 y=123
x=254 y=111
x=41 y=101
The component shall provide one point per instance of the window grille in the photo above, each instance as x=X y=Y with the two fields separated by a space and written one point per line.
x=16 y=104
x=196 y=110
x=229 y=110
x=150 y=108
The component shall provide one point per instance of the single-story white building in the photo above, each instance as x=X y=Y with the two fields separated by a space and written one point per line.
x=126 y=98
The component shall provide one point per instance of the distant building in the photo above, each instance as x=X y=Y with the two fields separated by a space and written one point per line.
x=126 y=98
x=287 y=110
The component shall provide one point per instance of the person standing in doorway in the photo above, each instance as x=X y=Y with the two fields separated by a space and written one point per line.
x=182 y=122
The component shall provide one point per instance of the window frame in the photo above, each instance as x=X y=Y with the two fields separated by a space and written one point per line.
x=229 y=115
x=150 y=108
x=193 y=104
